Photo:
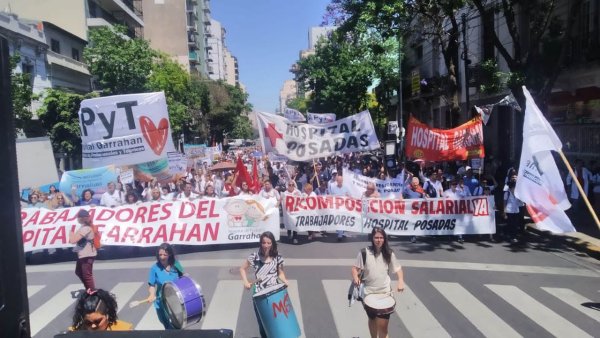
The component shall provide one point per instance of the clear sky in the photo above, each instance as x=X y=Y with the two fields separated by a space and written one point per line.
x=266 y=36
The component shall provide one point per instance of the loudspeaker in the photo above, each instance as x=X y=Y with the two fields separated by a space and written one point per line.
x=14 y=309
x=222 y=333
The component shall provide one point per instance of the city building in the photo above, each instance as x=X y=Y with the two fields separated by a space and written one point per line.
x=179 y=29
x=573 y=107
x=77 y=17
x=231 y=69
x=30 y=43
x=288 y=92
x=216 y=51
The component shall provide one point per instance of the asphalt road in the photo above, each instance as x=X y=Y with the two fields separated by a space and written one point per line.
x=474 y=289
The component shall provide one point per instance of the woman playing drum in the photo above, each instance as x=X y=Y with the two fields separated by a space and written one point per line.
x=268 y=267
x=380 y=261
x=165 y=269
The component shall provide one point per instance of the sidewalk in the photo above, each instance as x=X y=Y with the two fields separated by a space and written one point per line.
x=577 y=240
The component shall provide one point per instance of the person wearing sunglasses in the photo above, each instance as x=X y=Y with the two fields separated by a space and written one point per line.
x=96 y=310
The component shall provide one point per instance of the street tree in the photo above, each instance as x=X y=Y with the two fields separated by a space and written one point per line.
x=227 y=103
x=21 y=94
x=121 y=65
x=170 y=77
x=58 y=114
x=537 y=59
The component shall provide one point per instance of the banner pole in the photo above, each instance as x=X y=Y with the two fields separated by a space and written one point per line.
x=581 y=192
x=316 y=174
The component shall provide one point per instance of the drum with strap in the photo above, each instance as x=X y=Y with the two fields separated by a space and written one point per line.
x=379 y=304
x=276 y=312
x=183 y=302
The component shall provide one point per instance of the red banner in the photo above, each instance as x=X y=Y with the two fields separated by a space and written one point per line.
x=432 y=144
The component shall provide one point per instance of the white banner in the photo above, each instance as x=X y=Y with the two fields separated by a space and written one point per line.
x=293 y=115
x=201 y=222
x=357 y=184
x=126 y=176
x=124 y=129
x=414 y=217
x=313 y=118
x=303 y=142
x=177 y=163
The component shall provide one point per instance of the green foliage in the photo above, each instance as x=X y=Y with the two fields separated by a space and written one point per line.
x=299 y=103
x=227 y=104
x=491 y=77
x=121 y=65
x=59 y=116
x=169 y=76
x=21 y=94
x=242 y=128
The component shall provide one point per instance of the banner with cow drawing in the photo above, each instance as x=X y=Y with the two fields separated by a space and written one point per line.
x=125 y=129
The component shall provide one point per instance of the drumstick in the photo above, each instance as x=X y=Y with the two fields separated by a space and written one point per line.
x=137 y=302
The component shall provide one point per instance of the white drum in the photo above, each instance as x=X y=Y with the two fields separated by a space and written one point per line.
x=378 y=304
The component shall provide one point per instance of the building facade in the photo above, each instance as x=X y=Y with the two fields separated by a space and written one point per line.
x=288 y=92
x=77 y=17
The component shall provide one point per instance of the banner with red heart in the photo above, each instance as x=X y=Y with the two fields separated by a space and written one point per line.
x=156 y=137
x=125 y=130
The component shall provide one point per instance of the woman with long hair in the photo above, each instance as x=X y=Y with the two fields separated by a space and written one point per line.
x=83 y=239
x=96 y=310
x=166 y=269
x=379 y=262
x=268 y=269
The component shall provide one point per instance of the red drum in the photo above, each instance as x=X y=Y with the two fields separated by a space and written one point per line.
x=379 y=304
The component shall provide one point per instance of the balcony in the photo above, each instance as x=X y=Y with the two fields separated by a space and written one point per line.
x=66 y=62
x=193 y=56
x=123 y=10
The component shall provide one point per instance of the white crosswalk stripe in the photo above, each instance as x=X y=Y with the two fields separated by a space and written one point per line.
x=40 y=317
x=224 y=307
x=575 y=300
x=33 y=289
x=419 y=321
x=536 y=311
x=225 y=301
x=484 y=319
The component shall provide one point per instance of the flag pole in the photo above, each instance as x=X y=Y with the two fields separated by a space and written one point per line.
x=581 y=192
x=316 y=174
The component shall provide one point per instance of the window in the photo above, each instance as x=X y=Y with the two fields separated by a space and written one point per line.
x=488 y=49
x=55 y=46
x=75 y=54
x=27 y=69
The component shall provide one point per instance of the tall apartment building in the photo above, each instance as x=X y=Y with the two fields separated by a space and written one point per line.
x=178 y=28
x=78 y=16
x=216 y=51
x=231 y=69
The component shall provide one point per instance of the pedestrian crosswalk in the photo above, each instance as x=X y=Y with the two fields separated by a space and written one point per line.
x=551 y=310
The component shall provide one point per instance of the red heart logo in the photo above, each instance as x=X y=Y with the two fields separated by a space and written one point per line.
x=156 y=137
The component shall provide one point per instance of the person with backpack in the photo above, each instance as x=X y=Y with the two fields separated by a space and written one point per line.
x=372 y=268
x=433 y=186
x=86 y=251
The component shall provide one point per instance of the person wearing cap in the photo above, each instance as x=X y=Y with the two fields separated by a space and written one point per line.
x=332 y=181
x=339 y=189
x=83 y=239
x=470 y=181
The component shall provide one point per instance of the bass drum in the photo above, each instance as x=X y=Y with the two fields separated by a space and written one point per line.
x=183 y=302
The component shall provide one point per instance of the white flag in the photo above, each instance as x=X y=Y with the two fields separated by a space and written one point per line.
x=314 y=118
x=293 y=115
x=485 y=112
x=539 y=183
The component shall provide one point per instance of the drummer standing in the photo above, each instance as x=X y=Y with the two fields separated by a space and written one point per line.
x=166 y=269
x=268 y=268
x=379 y=264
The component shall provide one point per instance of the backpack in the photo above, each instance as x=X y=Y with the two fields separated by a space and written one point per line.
x=97 y=237
x=430 y=190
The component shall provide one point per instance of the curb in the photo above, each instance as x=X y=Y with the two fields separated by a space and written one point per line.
x=577 y=240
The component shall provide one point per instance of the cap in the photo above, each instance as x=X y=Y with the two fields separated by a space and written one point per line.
x=334 y=172
x=83 y=213
x=467 y=168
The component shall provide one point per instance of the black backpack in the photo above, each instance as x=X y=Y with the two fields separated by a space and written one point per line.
x=430 y=190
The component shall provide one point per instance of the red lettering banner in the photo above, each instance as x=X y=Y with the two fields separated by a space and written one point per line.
x=435 y=145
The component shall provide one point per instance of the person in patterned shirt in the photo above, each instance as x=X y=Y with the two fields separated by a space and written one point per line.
x=268 y=269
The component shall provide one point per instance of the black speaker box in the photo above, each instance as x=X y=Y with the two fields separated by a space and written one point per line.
x=222 y=333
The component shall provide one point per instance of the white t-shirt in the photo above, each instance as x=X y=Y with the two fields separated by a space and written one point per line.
x=116 y=199
x=377 y=272
x=271 y=194
x=511 y=203
x=338 y=191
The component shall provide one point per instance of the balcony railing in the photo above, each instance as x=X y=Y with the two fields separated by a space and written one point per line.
x=579 y=139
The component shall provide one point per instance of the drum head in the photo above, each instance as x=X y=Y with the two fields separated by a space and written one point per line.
x=380 y=301
x=270 y=290
x=173 y=305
